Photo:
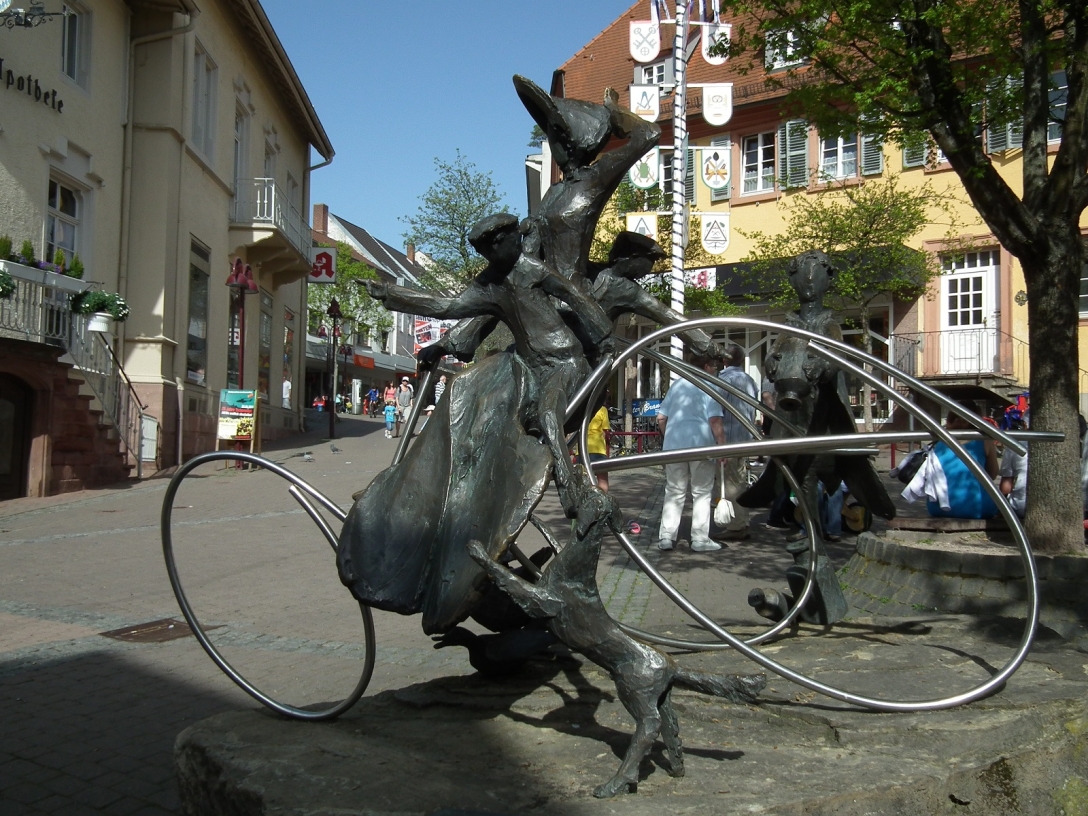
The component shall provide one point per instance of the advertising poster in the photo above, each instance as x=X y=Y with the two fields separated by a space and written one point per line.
x=236 y=413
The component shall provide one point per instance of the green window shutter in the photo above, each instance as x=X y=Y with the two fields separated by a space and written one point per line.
x=872 y=156
x=793 y=153
x=914 y=155
x=726 y=144
x=689 y=174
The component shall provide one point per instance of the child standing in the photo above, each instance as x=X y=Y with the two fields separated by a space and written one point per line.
x=390 y=419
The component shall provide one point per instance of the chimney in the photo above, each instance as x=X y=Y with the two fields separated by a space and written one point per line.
x=321 y=218
x=410 y=251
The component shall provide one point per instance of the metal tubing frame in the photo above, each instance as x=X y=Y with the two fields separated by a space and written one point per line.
x=299 y=487
x=823 y=346
x=409 y=426
x=700 y=380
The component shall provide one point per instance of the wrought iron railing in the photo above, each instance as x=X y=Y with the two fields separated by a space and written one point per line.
x=261 y=201
x=960 y=351
x=39 y=311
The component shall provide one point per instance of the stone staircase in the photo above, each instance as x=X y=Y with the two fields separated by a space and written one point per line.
x=86 y=449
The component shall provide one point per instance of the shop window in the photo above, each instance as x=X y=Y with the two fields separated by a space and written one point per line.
x=264 y=346
x=196 y=350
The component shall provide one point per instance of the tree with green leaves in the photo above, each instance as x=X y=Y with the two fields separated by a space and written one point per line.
x=459 y=197
x=865 y=229
x=950 y=71
x=360 y=310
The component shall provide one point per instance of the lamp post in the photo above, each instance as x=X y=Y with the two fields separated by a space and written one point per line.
x=334 y=312
x=241 y=283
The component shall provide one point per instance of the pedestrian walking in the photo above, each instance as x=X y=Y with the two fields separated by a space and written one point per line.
x=404 y=398
x=390 y=419
x=439 y=388
x=689 y=418
x=733 y=479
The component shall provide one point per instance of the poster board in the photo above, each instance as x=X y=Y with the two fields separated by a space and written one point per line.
x=240 y=418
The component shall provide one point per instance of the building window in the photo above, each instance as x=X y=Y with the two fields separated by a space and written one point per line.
x=65 y=209
x=653 y=74
x=666 y=173
x=240 y=175
x=1059 y=93
x=758 y=161
x=783 y=50
x=264 y=346
x=205 y=74
x=839 y=156
x=75 y=44
x=197 y=345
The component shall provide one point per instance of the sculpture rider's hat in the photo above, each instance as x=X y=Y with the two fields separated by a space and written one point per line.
x=582 y=127
x=635 y=245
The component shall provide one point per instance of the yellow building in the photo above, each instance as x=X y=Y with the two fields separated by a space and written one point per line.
x=161 y=141
x=967 y=334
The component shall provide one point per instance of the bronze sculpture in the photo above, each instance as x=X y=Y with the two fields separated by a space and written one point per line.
x=812 y=394
x=531 y=269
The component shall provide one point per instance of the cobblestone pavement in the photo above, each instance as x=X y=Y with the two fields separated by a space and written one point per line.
x=89 y=721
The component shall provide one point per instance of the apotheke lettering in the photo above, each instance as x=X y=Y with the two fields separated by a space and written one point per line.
x=31 y=87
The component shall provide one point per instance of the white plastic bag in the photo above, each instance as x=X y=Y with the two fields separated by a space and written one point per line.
x=723 y=511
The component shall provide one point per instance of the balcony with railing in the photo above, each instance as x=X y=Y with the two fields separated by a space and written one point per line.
x=958 y=356
x=263 y=208
x=39 y=311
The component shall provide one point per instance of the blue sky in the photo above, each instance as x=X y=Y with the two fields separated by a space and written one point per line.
x=397 y=84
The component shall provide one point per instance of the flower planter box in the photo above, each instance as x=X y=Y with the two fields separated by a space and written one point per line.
x=43 y=277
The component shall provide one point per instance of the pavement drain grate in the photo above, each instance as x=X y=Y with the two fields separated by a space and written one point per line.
x=158 y=631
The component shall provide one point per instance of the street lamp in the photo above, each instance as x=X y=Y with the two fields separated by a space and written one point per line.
x=23 y=18
x=334 y=312
x=240 y=282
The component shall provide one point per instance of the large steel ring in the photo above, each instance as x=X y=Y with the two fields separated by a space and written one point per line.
x=838 y=353
x=302 y=491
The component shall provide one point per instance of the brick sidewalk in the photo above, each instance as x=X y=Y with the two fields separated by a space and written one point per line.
x=90 y=721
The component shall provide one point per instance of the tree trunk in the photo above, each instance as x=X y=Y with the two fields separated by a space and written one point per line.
x=1055 y=508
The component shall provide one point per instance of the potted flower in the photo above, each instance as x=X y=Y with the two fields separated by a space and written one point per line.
x=7 y=285
x=101 y=307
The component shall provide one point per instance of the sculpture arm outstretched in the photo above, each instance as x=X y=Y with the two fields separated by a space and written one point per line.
x=461 y=341
x=474 y=301
x=633 y=298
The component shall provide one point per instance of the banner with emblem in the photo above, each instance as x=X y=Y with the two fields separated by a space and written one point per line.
x=645 y=101
x=644 y=223
x=714 y=232
x=645 y=42
x=715 y=167
x=718 y=103
x=713 y=33
x=647 y=170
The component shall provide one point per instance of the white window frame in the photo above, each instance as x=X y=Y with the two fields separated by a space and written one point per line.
x=835 y=161
x=763 y=181
x=781 y=50
x=664 y=176
x=205 y=93
x=654 y=74
x=1059 y=95
x=75 y=47
x=54 y=215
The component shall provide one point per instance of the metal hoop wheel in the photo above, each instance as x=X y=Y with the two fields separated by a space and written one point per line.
x=302 y=492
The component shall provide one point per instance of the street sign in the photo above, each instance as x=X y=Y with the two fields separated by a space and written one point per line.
x=323 y=269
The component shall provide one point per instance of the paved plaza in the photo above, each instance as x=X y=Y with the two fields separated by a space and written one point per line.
x=89 y=719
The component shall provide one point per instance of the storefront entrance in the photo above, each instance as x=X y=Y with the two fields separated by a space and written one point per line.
x=16 y=403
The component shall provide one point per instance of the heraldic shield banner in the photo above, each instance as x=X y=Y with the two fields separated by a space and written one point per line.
x=715 y=167
x=647 y=170
x=645 y=40
x=718 y=103
x=644 y=223
x=713 y=33
x=645 y=101
x=714 y=232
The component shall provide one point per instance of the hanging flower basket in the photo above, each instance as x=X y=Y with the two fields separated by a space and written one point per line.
x=109 y=303
x=99 y=322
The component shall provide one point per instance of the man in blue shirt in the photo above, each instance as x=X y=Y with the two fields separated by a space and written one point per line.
x=734 y=482
x=689 y=418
